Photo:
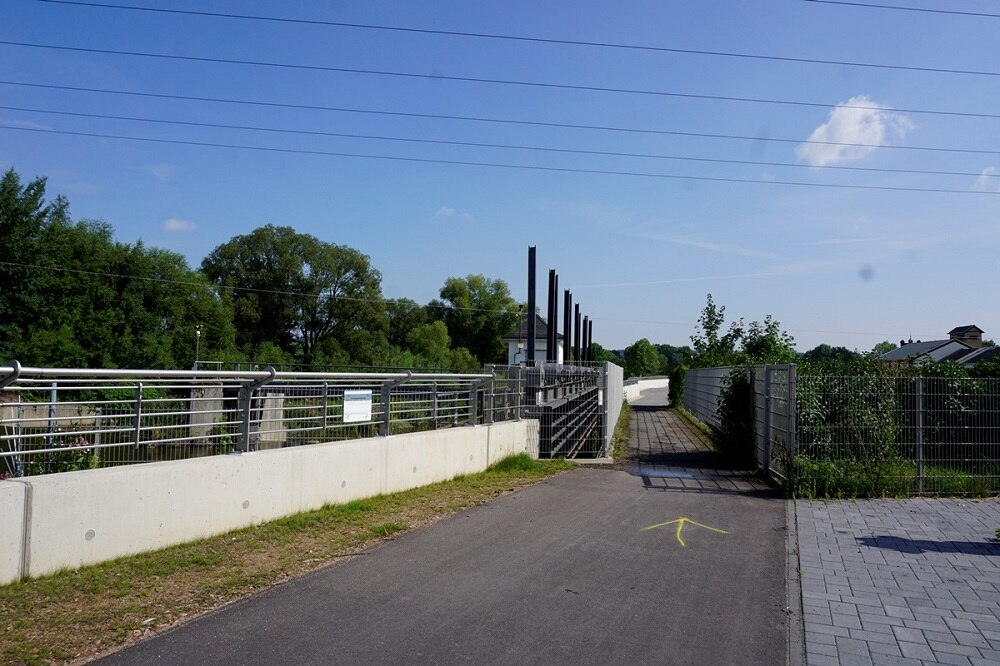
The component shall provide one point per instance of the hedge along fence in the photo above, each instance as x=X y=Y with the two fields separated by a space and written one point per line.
x=874 y=431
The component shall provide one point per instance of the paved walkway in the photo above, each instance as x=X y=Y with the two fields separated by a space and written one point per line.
x=900 y=581
x=594 y=566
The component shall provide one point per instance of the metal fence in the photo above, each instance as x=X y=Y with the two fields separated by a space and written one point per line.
x=891 y=435
x=867 y=435
x=566 y=400
x=702 y=391
x=54 y=420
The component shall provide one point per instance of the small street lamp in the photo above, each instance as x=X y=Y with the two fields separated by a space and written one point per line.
x=197 y=344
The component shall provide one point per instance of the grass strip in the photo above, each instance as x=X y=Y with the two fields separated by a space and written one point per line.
x=74 y=615
x=619 y=438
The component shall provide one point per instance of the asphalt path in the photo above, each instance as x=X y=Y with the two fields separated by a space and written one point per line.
x=571 y=570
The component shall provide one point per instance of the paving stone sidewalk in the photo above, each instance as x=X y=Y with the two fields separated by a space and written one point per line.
x=900 y=581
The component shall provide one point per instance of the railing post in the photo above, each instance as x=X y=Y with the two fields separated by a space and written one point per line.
x=434 y=405
x=50 y=438
x=920 y=434
x=138 y=414
x=326 y=401
x=246 y=408
x=488 y=407
x=386 y=422
x=474 y=403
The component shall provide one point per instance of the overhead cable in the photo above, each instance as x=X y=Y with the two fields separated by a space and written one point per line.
x=526 y=38
x=499 y=165
x=505 y=146
x=485 y=80
x=486 y=119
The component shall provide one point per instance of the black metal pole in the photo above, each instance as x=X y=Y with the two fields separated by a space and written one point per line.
x=567 y=324
x=550 y=346
x=590 y=341
x=585 y=352
x=531 y=304
x=576 y=332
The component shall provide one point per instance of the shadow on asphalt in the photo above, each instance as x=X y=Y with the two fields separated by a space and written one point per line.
x=917 y=546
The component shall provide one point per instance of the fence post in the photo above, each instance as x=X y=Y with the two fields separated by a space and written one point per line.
x=474 y=402
x=384 y=399
x=246 y=407
x=768 y=416
x=50 y=439
x=138 y=413
x=920 y=434
x=434 y=405
x=488 y=407
x=793 y=415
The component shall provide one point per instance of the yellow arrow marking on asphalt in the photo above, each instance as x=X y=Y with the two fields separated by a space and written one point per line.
x=681 y=522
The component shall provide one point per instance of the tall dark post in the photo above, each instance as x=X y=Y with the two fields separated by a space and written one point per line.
x=531 y=304
x=550 y=347
x=590 y=341
x=576 y=332
x=585 y=352
x=567 y=324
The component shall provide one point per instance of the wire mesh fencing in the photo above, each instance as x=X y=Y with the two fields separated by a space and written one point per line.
x=878 y=433
x=891 y=435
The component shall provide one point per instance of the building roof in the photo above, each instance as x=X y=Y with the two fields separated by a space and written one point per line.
x=541 y=330
x=913 y=350
x=982 y=354
x=964 y=330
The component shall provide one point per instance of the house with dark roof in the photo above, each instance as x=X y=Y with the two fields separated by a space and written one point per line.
x=517 y=342
x=964 y=345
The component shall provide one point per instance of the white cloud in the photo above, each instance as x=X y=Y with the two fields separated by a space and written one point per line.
x=989 y=180
x=859 y=120
x=174 y=224
x=449 y=213
x=161 y=171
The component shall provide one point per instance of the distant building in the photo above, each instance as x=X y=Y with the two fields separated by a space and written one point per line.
x=517 y=342
x=964 y=345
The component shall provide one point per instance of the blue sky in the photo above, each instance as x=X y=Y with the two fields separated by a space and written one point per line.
x=844 y=266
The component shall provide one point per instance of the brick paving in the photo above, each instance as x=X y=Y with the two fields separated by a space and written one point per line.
x=900 y=581
x=670 y=455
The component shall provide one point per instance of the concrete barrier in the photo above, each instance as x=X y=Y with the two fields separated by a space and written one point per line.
x=64 y=521
x=634 y=388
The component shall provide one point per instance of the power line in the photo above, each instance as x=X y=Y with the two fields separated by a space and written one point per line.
x=475 y=79
x=924 y=10
x=487 y=119
x=210 y=284
x=499 y=165
x=524 y=38
x=476 y=144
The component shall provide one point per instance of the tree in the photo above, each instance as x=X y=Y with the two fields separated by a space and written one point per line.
x=673 y=357
x=403 y=315
x=299 y=293
x=710 y=348
x=883 y=347
x=641 y=359
x=22 y=215
x=767 y=343
x=602 y=355
x=478 y=311
x=824 y=353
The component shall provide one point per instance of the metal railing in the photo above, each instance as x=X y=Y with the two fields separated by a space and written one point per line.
x=54 y=420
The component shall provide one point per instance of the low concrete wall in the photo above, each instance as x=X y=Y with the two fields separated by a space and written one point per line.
x=80 y=518
x=13 y=503
x=635 y=386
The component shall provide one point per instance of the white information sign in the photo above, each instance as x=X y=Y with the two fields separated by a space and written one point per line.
x=357 y=406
